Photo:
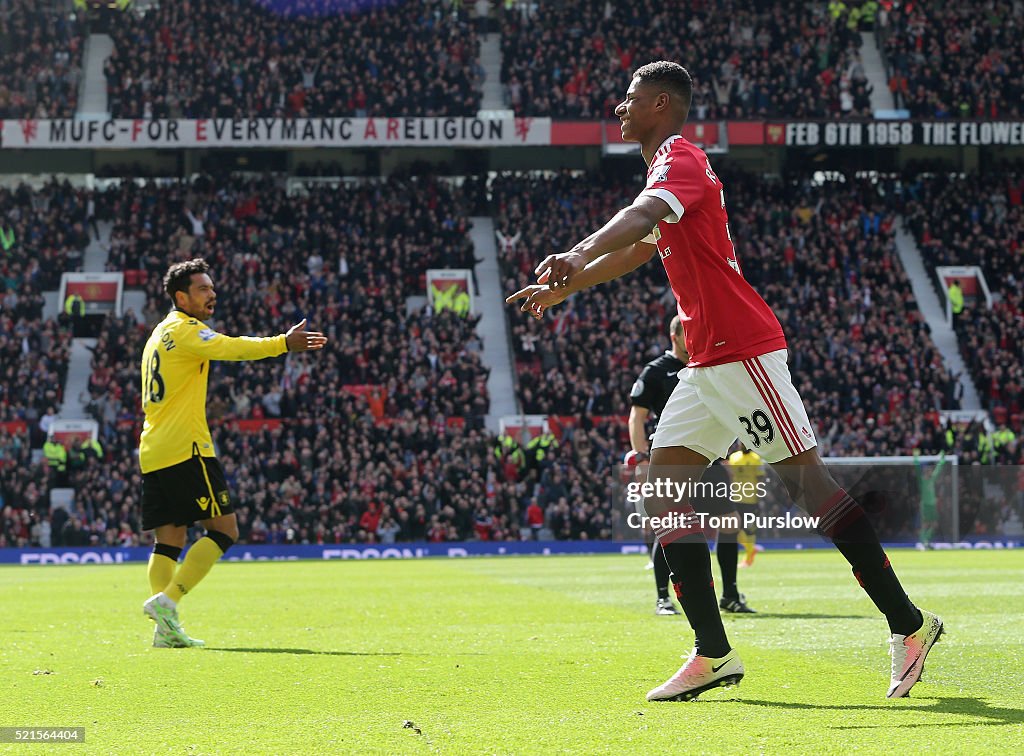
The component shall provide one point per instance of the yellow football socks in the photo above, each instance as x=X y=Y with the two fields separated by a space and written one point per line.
x=161 y=570
x=748 y=541
x=198 y=561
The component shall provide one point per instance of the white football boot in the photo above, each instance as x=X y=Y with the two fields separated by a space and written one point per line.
x=698 y=674
x=170 y=634
x=908 y=654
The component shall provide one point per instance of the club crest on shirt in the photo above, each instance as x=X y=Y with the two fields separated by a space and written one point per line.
x=660 y=173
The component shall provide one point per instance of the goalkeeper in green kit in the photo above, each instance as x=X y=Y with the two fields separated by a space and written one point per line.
x=926 y=491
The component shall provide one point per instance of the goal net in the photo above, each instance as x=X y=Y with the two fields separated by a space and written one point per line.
x=927 y=500
x=909 y=499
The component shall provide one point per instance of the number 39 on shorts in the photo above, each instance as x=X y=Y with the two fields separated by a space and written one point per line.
x=759 y=427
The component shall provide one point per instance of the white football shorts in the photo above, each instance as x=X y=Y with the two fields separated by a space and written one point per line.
x=753 y=400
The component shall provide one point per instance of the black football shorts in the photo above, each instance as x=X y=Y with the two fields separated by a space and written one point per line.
x=184 y=493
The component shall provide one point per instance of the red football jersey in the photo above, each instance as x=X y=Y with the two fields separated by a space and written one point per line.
x=725 y=319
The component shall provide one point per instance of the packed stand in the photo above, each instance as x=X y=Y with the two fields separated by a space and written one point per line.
x=347 y=257
x=356 y=466
x=967 y=220
x=114 y=390
x=298 y=58
x=748 y=59
x=956 y=60
x=340 y=466
x=822 y=256
x=40 y=60
x=24 y=489
x=338 y=476
x=580 y=358
x=41 y=235
x=341 y=478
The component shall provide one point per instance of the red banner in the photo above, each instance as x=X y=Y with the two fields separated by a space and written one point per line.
x=581 y=133
x=746 y=133
x=93 y=291
x=255 y=425
x=560 y=423
x=70 y=437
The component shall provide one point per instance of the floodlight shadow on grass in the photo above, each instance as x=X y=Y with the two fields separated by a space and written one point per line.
x=973 y=707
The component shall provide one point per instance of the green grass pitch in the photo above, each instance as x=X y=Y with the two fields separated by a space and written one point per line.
x=505 y=655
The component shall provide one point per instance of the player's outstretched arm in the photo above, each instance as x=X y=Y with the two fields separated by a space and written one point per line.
x=298 y=339
x=626 y=228
x=539 y=297
x=196 y=338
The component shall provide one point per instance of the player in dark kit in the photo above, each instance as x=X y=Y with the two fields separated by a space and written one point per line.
x=736 y=385
x=182 y=481
x=650 y=393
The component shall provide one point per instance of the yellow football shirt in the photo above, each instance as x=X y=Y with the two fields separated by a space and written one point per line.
x=175 y=371
x=746 y=468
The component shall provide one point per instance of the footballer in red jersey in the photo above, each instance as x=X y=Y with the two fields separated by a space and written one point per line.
x=736 y=385
x=725 y=320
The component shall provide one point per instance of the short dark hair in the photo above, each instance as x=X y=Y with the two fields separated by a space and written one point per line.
x=672 y=76
x=179 y=275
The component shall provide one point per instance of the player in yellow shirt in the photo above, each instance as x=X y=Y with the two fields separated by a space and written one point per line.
x=747 y=467
x=182 y=481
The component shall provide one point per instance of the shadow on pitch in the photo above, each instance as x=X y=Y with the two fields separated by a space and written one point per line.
x=307 y=652
x=312 y=652
x=796 y=616
x=972 y=707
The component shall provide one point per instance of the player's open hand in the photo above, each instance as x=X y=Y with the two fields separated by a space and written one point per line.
x=298 y=339
x=558 y=270
x=537 y=299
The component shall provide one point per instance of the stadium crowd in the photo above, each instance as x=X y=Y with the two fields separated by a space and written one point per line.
x=748 y=59
x=822 y=256
x=299 y=58
x=40 y=60
x=40 y=231
x=278 y=258
x=380 y=439
x=41 y=235
x=962 y=220
x=929 y=47
x=346 y=256
x=580 y=359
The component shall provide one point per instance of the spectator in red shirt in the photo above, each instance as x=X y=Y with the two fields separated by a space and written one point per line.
x=371 y=518
x=534 y=519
